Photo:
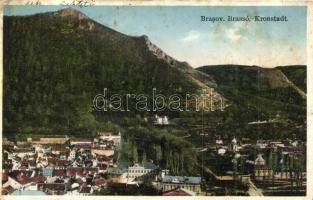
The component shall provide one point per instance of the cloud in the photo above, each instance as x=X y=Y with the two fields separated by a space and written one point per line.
x=191 y=36
x=234 y=34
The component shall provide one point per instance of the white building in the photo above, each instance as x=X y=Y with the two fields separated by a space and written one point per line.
x=141 y=172
x=108 y=136
x=259 y=161
x=72 y=155
x=221 y=151
x=161 y=120
x=80 y=141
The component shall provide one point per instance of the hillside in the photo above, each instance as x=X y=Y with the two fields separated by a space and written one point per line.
x=296 y=74
x=268 y=92
x=55 y=63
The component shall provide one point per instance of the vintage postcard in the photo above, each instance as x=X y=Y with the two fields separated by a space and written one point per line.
x=118 y=99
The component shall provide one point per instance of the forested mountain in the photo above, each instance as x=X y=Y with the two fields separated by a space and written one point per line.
x=55 y=63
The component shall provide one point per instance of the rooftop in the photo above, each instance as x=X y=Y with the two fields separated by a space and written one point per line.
x=146 y=165
x=178 y=192
x=81 y=140
x=29 y=193
x=24 y=177
x=181 y=179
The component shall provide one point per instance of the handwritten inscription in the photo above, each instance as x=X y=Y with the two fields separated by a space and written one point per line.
x=80 y=3
x=33 y=3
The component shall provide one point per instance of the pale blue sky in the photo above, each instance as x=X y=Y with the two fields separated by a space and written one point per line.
x=179 y=32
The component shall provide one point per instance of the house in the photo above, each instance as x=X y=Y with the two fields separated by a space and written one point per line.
x=261 y=144
x=81 y=171
x=53 y=188
x=7 y=142
x=104 y=159
x=276 y=145
x=234 y=145
x=51 y=140
x=104 y=133
x=61 y=173
x=102 y=152
x=22 y=179
x=72 y=171
x=85 y=191
x=102 y=167
x=109 y=136
x=42 y=162
x=59 y=150
x=72 y=154
x=22 y=152
x=219 y=142
x=98 y=182
x=160 y=120
x=173 y=182
x=80 y=141
x=5 y=178
x=178 y=192
x=56 y=162
x=259 y=161
x=142 y=172
x=221 y=151
x=47 y=172
x=7 y=190
x=117 y=174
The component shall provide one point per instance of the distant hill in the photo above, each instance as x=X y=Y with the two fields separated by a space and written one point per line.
x=268 y=92
x=56 y=62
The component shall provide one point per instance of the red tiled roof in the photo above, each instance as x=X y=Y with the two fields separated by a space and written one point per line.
x=17 y=173
x=98 y=181
x=57 y=162
x=176 y=192
x=79 y=181
x=104 y=158
x=52 y=186
x=71 y=171
x=85 y=190
x=4 y=176
x=7 y=190
x=102 y=166
x=27 y=162
x=24 y=177
x=91 y=170
x=59 y=148
x=59 y=172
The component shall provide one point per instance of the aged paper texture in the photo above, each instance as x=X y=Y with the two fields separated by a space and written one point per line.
x=155 y=99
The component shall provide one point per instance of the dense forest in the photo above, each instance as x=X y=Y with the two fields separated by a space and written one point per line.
x=55 y=65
